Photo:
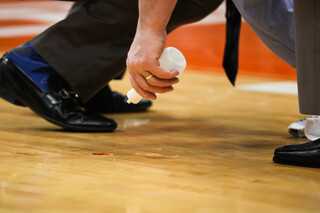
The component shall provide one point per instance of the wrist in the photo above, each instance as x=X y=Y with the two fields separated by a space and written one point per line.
x=152 y=29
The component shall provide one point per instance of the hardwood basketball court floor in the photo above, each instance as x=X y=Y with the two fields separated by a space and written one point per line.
x=206 y=147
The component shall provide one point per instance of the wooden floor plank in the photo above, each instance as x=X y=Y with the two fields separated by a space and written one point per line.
x=206 y=147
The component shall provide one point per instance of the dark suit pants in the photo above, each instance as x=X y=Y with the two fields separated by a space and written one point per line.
x=89 y=47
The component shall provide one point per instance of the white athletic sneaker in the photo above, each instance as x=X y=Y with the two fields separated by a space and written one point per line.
x=296 y=129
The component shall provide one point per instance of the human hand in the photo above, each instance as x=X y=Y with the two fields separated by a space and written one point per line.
x=142 y=62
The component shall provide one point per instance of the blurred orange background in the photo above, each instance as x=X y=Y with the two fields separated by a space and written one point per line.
x=202 y=44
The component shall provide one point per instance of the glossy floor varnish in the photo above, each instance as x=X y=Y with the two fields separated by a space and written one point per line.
x=206 y=147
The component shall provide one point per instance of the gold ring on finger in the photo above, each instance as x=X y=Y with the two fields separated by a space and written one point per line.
x=149 y=76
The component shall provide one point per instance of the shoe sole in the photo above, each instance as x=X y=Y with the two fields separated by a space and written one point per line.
x=310 y=165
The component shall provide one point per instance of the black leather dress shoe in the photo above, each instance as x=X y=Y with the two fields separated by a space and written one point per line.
x=107 y=101
x=307 y=154
x=62 y=107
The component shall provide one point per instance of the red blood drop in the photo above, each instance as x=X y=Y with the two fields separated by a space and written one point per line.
x=100 y=153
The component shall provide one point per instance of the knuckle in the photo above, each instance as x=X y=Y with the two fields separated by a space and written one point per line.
x=145 y=62
x=144 y=86
x=151 y=89
x=154 y=82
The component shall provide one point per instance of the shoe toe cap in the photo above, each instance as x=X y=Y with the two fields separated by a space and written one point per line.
x=309 y=146
x=93 y=123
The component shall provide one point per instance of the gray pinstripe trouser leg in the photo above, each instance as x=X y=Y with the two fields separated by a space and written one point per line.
x=307 y=24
